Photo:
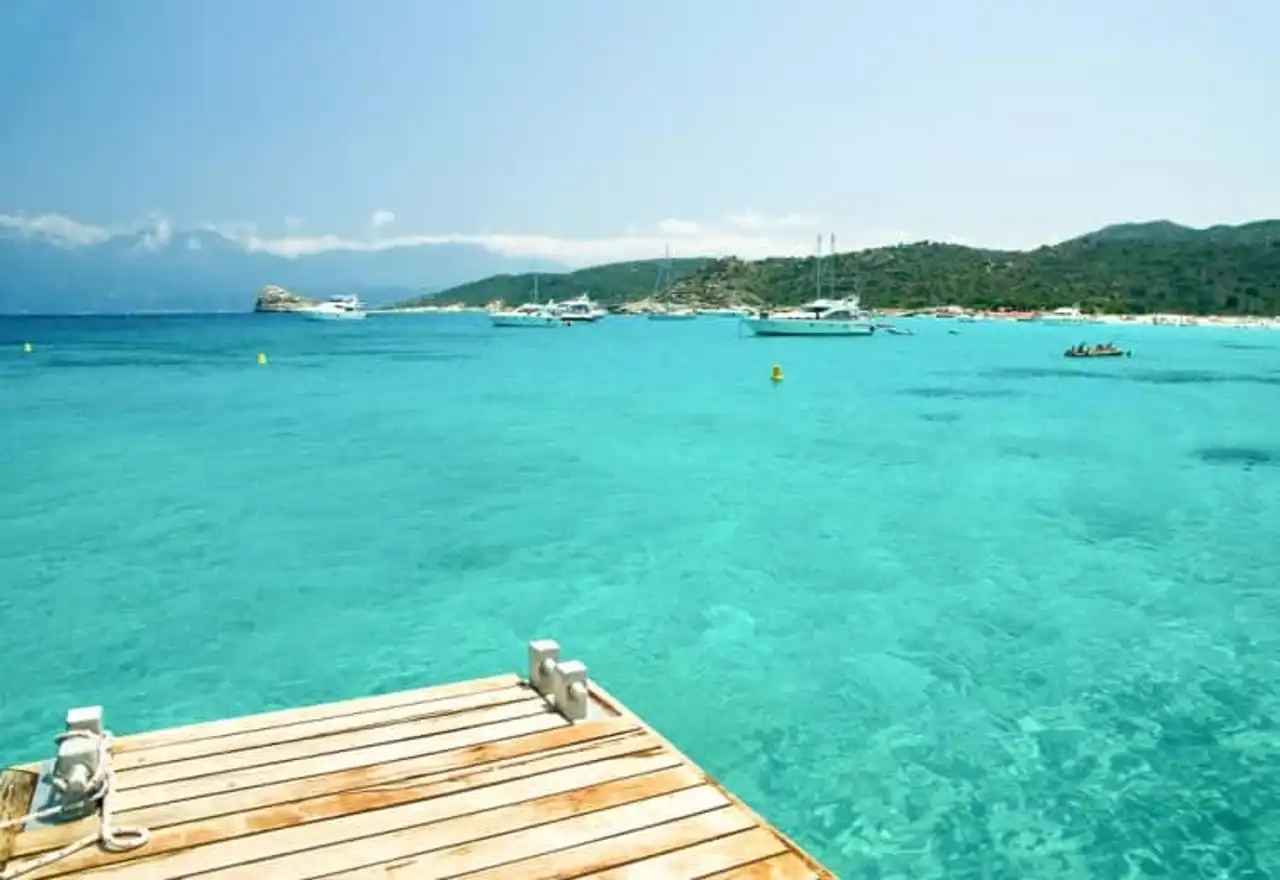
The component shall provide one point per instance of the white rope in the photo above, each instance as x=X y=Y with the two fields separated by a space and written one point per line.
x=99 y=790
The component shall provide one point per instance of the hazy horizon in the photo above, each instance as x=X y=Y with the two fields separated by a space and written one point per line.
x=333 y=126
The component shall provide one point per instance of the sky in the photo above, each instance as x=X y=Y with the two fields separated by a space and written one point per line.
x=590 y=130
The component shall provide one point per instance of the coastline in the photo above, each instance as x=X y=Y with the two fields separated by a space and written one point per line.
x=956 y=313
x=1161 y=319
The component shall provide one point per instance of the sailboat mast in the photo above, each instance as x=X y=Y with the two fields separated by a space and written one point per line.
x=832 y=252
x=817 y=272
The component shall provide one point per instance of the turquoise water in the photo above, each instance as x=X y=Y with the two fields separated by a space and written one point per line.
x=938 y=606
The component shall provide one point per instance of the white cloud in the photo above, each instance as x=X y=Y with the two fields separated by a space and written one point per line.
x=685 y=238
x=53 y=227
x=294 y=224
x=382 y=217
x=749 y=236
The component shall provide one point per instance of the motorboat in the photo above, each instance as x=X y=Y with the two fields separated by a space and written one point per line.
x=1095 y=351
x=338 y=308
x=530 y=314
x=580 y=308
x=821 y=317
x=527 y=315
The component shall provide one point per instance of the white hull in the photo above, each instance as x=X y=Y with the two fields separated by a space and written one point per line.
x=578 y=309
x=807 y=327
x=334 y=315
x=511 y=319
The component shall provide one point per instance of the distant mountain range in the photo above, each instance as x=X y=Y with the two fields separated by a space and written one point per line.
x=1154 y=265
x=1167 y=232
x=206 y=271
x=1132 y=268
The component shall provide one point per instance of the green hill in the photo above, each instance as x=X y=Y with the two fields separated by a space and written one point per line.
x=610 y=284
x=1135 y=268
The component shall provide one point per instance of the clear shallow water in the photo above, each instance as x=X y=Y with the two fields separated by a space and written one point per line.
x=938 y=606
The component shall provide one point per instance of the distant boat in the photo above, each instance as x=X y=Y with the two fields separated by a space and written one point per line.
x=819 y=317
x=675 y=313
x=530 y=314
x=661 y=285
x=727 y=312
x=580 y=308
x=338 y=308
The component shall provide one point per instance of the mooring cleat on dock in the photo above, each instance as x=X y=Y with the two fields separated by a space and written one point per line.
x=564 y=685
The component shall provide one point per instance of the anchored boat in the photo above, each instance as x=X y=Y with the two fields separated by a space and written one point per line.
x=338 y=308
x=1095 y=351
x=819 y=317
x=530 y=314
x=580 y=308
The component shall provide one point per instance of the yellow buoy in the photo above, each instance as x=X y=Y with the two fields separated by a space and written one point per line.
x=27 y=348
x=776 y=375
x=262 y=359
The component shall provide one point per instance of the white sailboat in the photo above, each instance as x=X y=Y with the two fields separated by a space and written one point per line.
x=530 y=314
x=667 y=311
x=821 y=316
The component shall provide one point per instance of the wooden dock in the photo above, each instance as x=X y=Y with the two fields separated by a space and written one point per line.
x=519 y=779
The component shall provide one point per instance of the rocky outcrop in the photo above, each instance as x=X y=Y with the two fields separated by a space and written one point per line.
x=277 y=299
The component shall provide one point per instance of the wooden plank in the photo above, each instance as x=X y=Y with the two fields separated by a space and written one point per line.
x=231 y=762
x=275 y=817
x=715 y=856
x=363 y=838
x=252 y=739
x=784 y=867
x=17 y=791
x=503 y=835
x=617 y=849
x=328 y=774
x=320 y=764
x=282 y=717
x=611 y=704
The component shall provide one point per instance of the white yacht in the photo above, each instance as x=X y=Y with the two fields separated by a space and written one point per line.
x=530 y=314
x=527 y=315
x=818 y=317
x=338 y=308
x=580 y=308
